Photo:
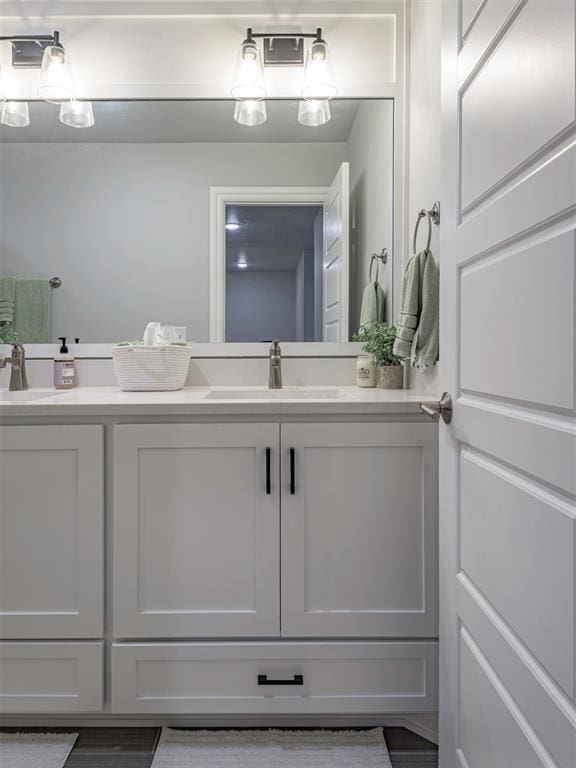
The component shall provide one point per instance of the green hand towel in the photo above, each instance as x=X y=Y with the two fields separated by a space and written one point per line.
x=372 y=310
x=7 y=291
x=418 y=325
x=32 y=307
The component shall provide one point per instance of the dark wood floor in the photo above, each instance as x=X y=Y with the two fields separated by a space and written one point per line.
x=134 y=747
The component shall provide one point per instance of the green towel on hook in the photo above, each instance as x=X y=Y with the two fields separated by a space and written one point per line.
x=372 y=310
x=7 y=293
x=32 y=310
x=418 y=325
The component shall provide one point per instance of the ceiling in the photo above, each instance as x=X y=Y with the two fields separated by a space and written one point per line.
x=181 y=121
x=271 y=238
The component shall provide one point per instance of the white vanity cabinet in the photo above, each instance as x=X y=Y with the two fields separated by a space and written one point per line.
x=51 y=568
x=196 y=530
x=359 y=524
x=51 y=532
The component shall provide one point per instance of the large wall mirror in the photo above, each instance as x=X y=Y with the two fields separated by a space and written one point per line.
x=172 y=211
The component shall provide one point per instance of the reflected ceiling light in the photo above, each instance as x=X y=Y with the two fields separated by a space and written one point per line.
x=314 y=112
x=232 y=226
x=242 y=265
x=77 y=114
x=56 y=84
x=249 y=75
x=250 y=112
x=319 y=80
x=15 y=114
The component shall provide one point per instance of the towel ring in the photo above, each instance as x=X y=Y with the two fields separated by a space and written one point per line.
x=381 y=257
x=433 y=218
x=421 y=215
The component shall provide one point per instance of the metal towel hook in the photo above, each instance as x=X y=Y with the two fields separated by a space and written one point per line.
x=433 y=218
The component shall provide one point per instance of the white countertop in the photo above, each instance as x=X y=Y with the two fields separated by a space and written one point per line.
x=221 y=401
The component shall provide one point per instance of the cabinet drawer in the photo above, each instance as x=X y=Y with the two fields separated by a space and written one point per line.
x=51 y=677
x=224 y=677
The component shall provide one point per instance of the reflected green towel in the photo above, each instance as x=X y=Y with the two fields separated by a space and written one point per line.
x=32 y=306
x=372 y=310
x=418 y=325
x=7 y=291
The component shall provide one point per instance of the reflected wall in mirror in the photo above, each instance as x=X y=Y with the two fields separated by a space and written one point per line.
x=123 y=213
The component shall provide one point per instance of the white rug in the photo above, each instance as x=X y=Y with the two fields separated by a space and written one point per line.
x=272 y=749
x=35 y=750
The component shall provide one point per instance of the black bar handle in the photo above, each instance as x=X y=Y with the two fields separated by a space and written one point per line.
x=296 y=680
x=268 y=485
x=292 y=471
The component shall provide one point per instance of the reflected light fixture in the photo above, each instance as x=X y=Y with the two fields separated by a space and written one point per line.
x=314 y=112
x=77 y=114
x=250 y=112
x=232 y=226
x=56 y=84
x=242 y=265
x=15 y=114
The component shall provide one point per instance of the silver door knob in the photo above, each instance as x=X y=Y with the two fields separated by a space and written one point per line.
x=441 y=408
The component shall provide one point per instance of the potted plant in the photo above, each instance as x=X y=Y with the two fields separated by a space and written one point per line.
x=378 y=340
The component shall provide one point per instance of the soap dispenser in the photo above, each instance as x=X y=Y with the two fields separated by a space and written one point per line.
x=64 y=368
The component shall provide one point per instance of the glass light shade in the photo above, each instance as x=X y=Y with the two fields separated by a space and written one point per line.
x=77 y=114
x=250 y=112
x=319 y=80
x=56 y=84
x=15 y=114
x=248 y=80
x=314 y=112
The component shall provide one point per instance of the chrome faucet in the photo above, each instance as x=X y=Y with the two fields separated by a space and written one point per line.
x=275 y=373
x=18 y=378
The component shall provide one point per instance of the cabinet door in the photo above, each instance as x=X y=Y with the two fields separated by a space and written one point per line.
x=359 y=530
x=196 y=534
x=51 y=532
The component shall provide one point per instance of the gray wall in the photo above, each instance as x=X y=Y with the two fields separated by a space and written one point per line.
x=371 y=155
x=126 y=226
x=260 y=306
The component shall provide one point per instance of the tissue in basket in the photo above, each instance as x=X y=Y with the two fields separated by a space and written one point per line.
x=141 y=368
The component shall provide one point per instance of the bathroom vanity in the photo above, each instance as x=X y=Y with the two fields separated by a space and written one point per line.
x=217 y=551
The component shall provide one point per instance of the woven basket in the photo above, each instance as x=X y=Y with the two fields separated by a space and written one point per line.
x=150 y=369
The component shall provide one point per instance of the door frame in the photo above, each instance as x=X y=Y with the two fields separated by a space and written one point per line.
x=220 y=197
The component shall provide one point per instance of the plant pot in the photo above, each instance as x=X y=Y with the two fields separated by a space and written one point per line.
x=390 y=376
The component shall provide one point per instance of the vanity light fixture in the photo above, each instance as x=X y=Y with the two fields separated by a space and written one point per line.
x=282 y=49
x=77 y=114
x=56 y=84
x=15 y=114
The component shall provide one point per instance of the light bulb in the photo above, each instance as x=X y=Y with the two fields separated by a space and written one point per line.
x=250 y=112
x=319 y=80
x=248 y=80
x=56 y=85
x=15 y=114
x=314 y=112
x=77 y=114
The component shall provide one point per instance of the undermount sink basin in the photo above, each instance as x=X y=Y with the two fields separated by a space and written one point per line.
x=287 y=393
x=25 y=395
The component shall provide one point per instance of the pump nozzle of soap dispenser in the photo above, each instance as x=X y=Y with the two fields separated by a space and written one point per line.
x=63 y=348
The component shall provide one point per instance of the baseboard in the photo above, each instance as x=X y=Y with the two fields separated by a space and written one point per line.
x=107 y=720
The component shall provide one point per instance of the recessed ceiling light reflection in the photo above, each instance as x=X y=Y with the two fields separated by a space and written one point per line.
x=232 y=226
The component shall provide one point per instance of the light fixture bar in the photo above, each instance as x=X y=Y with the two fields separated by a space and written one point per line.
x=28 y=50
x=282 y=48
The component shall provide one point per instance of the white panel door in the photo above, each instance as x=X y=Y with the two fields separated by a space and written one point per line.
x=196 y=530
x=359 y=530
x=51 y=532
x=508 y=320
x=336 y=257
